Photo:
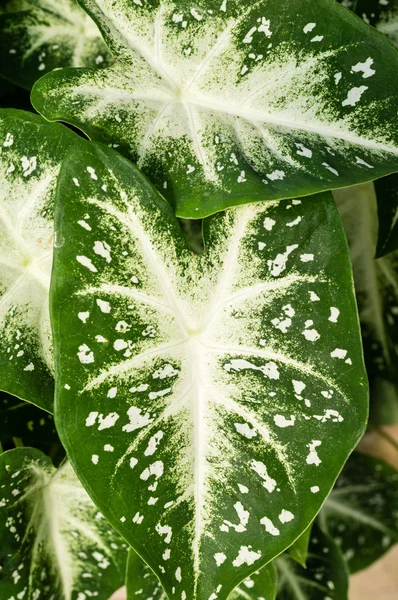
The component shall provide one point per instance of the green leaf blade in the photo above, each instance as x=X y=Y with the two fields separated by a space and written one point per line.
x=194 y=390
x=221 y=107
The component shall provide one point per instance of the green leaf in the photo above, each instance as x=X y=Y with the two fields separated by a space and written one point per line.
x=387 y=209
x=44 y=35
x=377 y=295
x=299 y=550
x=31 y=151
x=324 y=578
x=54 y=542
x=142 y=583
x=203 y=391
x=232 y=102
x=361 y=513
x=23 y=420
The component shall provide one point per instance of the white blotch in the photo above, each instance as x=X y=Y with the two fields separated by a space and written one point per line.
x=103 y=249
x=153 y=443
x=108 y=448
x=243 y=516
x=314 y=297
x=286 y=516
x=365 y=68
x=86 y=262
x=196 y=15
x=298 y=386
x=138 y=518
x=315 y=489
x=303 y=151
x=84 y=224
x=261 y=245
x=334 y=314
x=137 y=419
x=261 y=470
x=311 y=335
x=306 y=258
x=246 y=556
x=166 y=371
x=270 y=370
x=281 y=421
x=269 y=526
x=244 y=429
x=295 y=222
x=317 y=38
x=29 y=367
x=278 y=265
x=265 y=27
x=220 y=558
x=360 y=161
x=9 y=140
x=108 y=421
x=103 y=305
x=133 y=462
x=28 y=165
x=338 y=353
x=91 y=419
x=156 y=469
x=86 y=356
x=243 y=489
x=83 y=316
x=337 y=78
x=331 y=169
x=354 y=95
x=166 y=531
x=309 y=27
x=269 y=223
x=112 y=392
x=94 y=459
x=329 y=415
x=313 y=458
x=276 y=175
x=92 y=172
x=166 y=554
x=178 y=574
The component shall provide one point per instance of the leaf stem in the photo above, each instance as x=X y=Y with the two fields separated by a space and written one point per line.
x=18 y=442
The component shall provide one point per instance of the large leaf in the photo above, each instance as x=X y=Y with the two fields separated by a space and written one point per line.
x=324 y=578
x=376 y=285
x=42 y=35
x=361 y=513
x=54 y=542
x=229 y=102
x=207 y=402
x=31 y=151
x=142 y=583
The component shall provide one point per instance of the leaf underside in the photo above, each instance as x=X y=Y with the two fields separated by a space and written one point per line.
x=54 y=542
x=225 y=102
x=31 y=151
x=205 y=390
x=361 y=513
x=37 y=36
x=377 y=296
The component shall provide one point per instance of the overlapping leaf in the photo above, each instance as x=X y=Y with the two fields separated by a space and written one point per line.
x=142 y=583
x=199 y=397
x=376 y=285
x=324 y=578
x=299 y=550
x=54 y=542
x=37 y=36
x=30 y=155
x=221 y=103
x=361 y=513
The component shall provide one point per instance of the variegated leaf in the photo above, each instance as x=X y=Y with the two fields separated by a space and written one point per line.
x=31 y=151
x=324 y=578
x=55 y=545
x=376 y=286
x=222 y=102
x=361 y=513
x=37 y=36
x=142 y=583
x=207 y=402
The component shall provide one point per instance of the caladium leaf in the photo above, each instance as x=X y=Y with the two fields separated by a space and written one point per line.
x=54 y=542
x=142 y=583
x=324 y=578
x=42 y=35
x=31 y=151
x=361 y=513
x=299 y=550
x=23 y=420
x=222 y=103
x=377 y=295
x=204 y=391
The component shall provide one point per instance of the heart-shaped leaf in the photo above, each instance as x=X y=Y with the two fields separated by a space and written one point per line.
x=377 y=296
x=142 y=583
x=324 y=578
x=31 y=151
x=361 y=513
x=54 y=542
x=227 y=102
x=37 y=36
x=207 y=402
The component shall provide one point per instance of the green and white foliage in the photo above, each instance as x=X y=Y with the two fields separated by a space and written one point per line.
x=31 y=151
x=37 y=36
x=299 y=550
x=324 y=578
x=361 y=513
x=23 y=420
x=54 y=542
x=142 y=583
x=207 y=402
x=224 y=102
x=376 y=287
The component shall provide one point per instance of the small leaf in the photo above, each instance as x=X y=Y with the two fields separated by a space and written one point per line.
x=23 y=420
x=361 y=513
x=199 y=396
x=54 y=542
x=37 y=36
x=299 y=550
x=324 y=578
x=142 y=583
x=232 y=101
x=377 y=296
x=31 y=151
